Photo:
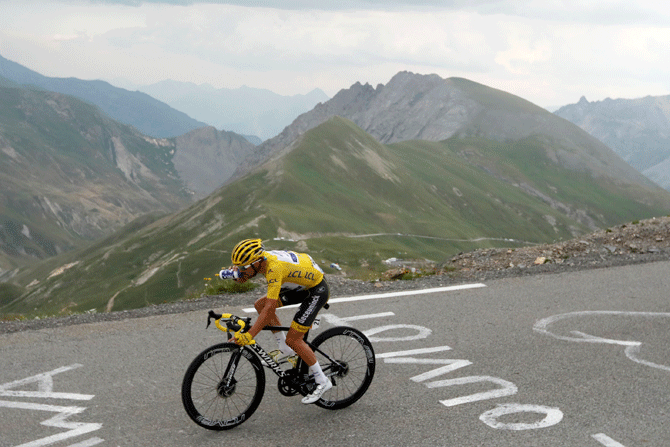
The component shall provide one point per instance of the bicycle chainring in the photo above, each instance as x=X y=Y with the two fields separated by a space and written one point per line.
x=288 y=386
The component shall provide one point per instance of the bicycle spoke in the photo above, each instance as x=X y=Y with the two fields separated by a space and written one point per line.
x=218 y=402
x=344 y=354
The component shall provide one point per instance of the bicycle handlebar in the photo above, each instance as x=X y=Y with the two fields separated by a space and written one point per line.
x=233 y=323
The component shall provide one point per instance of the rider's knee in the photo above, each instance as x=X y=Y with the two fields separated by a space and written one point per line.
x=294 y=338
x=259 y=304
x=291 y=343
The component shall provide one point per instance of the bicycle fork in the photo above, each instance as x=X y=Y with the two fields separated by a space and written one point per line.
x=228 y=382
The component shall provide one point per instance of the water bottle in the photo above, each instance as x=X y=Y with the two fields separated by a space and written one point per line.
x=229 y=274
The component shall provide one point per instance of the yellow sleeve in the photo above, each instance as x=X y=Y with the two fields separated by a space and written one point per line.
x=274 y=284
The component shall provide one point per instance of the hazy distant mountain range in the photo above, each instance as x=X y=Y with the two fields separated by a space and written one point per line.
x=421 y=167
x=170 y=108
x=246 y=111
x=636 y=129
x=148 y=115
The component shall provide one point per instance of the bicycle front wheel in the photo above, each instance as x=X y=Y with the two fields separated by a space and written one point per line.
x=212 y=398
x=347 y=358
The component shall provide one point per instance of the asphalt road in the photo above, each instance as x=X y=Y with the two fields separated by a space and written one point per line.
x=573 y=359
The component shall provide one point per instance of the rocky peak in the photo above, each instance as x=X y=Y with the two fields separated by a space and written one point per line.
x=409 y=107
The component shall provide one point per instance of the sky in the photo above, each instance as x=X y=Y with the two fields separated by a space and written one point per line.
x=549 y=52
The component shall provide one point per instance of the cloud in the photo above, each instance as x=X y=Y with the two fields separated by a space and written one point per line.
x=324 y=5
x=584 y=11
x=549 y=52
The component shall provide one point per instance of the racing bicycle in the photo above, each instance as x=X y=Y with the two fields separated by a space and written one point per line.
x=224 y=384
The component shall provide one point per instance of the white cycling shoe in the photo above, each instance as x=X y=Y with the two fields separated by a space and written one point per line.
x=317 y=393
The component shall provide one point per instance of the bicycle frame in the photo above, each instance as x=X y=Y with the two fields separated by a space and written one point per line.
x=239 y=325
x=269 y=361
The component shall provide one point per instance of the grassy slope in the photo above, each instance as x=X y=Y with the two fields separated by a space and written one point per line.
x=340 y=182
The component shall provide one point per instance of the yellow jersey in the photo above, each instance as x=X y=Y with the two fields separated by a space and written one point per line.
x=288 y=270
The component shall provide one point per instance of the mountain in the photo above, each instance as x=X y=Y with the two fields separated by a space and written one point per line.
x=205 y=158
x=146 y=114
x=4 y=82
x=70 y=174
x=636 y=129
x=344 y=197
x=245 y=110
x=427 y=107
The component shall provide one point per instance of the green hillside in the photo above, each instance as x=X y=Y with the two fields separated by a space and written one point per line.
x=345 y=198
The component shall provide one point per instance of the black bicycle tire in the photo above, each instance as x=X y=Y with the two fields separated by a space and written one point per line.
x=187 y=386
x=349 y=337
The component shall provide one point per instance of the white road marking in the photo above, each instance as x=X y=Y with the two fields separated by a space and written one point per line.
x=552 y=416
x=451 y=365
x=606 y=440
x=44 y=382
x=58 y=421
x=366 y=317
x=413 y=352
x=344 y=321
x=506 y=389
x=422 y=332
x=377 y=296
x=632 y=348
x=88 y=443
x=40 y=407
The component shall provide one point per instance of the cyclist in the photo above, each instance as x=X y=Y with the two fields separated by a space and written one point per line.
x=292 y=278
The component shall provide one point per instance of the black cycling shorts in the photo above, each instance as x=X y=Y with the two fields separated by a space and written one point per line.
x=311 y=301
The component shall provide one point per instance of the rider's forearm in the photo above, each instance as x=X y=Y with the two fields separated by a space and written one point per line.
x=263 y=319
x=259 y=324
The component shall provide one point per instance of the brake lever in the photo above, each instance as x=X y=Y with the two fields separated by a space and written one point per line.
x=211 y=316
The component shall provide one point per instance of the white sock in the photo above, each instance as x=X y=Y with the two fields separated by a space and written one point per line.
x=281 y=342
x=318 y=374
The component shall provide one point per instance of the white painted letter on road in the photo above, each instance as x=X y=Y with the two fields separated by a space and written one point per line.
x=44 y=383
x=552 y=416
x=422 y=332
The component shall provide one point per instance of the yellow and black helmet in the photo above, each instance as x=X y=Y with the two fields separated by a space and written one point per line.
x=247 y=251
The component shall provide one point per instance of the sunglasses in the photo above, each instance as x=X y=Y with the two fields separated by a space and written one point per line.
x=246 y=267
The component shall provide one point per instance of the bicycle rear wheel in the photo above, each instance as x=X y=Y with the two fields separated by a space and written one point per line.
x=211 y=402
x=347 y=358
